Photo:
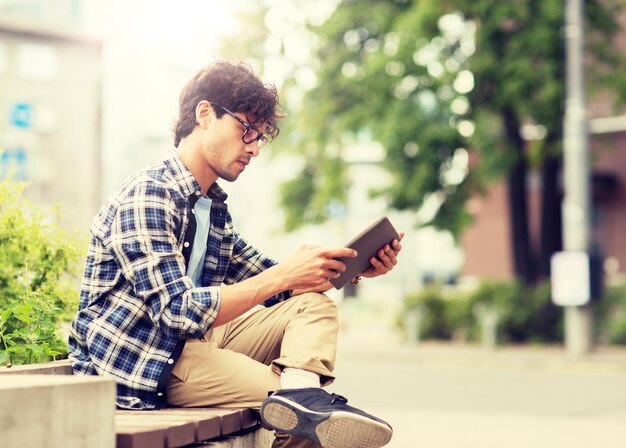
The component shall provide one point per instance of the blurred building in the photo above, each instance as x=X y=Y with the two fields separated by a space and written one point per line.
x=487 y=243
x=85 y=99
x=50 y=102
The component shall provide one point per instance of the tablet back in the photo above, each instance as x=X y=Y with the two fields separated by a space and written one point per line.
x=367 y=243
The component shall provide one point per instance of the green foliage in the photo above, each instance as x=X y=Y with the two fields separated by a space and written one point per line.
x=312 y=192
x=34 y=337
x=415 y=75
x=611 y=314
x=441 y=315
x=525 y=314
x=38 y=261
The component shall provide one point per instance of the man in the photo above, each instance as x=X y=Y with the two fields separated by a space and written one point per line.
x=168 y=304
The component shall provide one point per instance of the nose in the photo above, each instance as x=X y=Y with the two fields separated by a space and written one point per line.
x=253 y=148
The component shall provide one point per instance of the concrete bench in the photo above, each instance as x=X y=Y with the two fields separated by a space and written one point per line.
x=164 y=428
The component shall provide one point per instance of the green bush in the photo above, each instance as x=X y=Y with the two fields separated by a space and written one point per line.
x=441 y=315
x=525 y=314
x=611 y=314
x=38 y=267
x=490 y=296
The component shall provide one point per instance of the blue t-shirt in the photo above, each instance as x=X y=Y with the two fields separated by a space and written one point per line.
x=202 y=212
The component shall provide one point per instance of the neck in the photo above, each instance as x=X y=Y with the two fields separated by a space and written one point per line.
x=190 y=153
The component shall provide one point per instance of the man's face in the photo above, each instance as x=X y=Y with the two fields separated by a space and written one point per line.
x=225 y=151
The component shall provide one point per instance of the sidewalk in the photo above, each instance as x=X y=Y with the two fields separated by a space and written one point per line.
x=449 y=395
x=384 y=343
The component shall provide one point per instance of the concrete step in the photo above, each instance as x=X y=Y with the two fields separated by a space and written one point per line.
x=50 y=411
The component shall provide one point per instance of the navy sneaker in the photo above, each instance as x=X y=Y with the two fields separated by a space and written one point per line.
x=324 y=418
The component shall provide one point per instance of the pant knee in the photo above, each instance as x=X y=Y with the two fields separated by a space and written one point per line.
x=320 y=301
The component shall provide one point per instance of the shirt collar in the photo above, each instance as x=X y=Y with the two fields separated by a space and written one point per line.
x=188 y=183
x=216 y=193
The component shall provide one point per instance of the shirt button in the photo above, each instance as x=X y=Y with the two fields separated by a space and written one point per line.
x=170 y=361
x=186 y=244
x=159 y=394
x=198 y=193
x=193 y=212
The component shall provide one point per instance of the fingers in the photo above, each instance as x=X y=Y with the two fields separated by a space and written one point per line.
x=380 y=267
x=330 y=266
x=385 y=259
x=335 y=265
x=313 y=267
x=388 y=255
x=339 y=252
x=396 y=244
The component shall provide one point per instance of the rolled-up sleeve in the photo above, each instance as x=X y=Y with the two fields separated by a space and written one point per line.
x=246 y=262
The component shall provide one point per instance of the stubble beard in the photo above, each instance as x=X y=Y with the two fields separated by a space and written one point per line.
x=228 y=175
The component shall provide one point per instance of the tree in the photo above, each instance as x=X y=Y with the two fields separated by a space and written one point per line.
x=444 y=84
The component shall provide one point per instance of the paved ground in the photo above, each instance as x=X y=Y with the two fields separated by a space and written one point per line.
x=444 y=396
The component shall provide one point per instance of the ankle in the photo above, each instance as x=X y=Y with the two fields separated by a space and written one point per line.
x=291 y=378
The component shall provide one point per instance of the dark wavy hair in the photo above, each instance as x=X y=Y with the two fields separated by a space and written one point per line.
x=235 y=87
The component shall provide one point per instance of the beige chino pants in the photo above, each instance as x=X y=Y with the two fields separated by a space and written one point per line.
x=237 y=364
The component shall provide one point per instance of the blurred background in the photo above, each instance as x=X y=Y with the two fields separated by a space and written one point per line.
x=89 y=93
x=449 y=117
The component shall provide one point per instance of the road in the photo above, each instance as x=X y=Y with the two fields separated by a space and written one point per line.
x=452 y=398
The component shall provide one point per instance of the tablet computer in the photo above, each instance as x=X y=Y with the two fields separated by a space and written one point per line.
x=366 y=243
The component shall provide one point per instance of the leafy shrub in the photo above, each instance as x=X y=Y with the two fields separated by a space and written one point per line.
x=38 y=263
x=440 y=314
x=525 y=314
x=611 y=314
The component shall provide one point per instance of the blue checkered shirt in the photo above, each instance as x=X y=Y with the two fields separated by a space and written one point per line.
x=137 y=306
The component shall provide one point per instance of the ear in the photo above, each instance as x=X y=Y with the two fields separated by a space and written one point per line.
x=204 y=113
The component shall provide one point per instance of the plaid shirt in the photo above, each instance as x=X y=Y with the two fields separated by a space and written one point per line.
x=137 y=306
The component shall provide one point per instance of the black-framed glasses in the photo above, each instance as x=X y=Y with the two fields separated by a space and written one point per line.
x=251 y=133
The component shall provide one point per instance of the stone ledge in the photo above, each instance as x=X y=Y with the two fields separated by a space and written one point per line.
x=169 y=427
x=57 y=411
x=62 y=367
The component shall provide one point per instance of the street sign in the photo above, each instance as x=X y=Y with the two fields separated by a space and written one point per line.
x=570 y=278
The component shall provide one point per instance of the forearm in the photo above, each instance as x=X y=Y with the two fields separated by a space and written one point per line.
x=309 y=269
x=240 y=297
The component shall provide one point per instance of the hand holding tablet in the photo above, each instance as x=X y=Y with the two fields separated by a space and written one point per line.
x=367 y=244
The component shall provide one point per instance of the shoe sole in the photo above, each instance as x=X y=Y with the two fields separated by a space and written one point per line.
x=338 y=429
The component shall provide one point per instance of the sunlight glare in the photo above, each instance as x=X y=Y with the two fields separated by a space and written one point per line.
x=176 y=29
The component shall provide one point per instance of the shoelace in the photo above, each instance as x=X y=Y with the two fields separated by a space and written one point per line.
x=337 y=397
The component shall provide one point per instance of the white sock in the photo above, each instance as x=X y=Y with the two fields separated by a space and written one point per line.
x=298 y=379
